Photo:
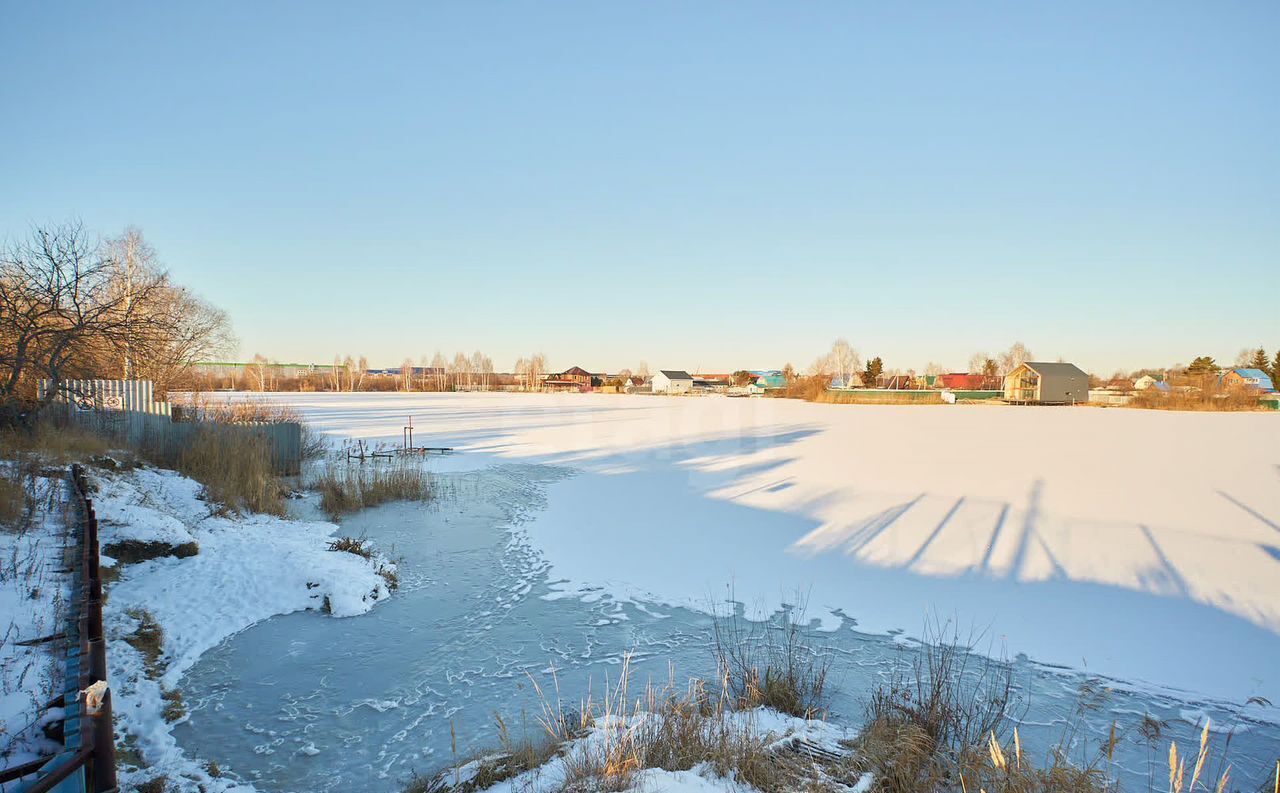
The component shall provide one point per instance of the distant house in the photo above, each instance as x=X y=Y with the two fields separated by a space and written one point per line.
x=712 y=382
x=672 y=381
x=573 y=379
x=1247 y=378
x=771 y=382
x=1041 y=383
x=1147 y=381
x=962 y=381
x=897 y=382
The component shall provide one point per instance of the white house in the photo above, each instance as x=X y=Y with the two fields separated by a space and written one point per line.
x=1145 y=382
x=672 y=381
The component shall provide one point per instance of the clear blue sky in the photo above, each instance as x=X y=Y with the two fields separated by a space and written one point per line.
x=709 y=185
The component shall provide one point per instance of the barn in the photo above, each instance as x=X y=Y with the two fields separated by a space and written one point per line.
x=672 y=381
x=1039 y=383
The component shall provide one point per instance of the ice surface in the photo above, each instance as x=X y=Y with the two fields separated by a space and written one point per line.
x=1144 y=545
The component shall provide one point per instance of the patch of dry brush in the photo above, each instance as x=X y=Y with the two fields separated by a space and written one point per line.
x=345 y=487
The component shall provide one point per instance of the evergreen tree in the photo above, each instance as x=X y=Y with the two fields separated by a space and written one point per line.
x=1259 y=359
x=1275 y=371
x=1203 y=364
x=874 y=367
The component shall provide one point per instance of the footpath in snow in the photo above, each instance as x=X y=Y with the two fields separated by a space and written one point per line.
x=1142 y=545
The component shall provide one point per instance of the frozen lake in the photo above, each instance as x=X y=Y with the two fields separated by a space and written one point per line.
x=305 y=702
x=1140 y=546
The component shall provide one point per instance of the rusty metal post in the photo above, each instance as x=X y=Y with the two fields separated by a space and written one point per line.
x=102 y=776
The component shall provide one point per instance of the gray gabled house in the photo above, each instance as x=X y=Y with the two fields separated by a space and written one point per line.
x=1039 y=383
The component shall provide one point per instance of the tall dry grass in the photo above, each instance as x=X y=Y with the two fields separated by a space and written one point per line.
x=940 y=723
x=931 y=711
x=603 y=744
x=771 y=664
x=202 y=407
x=53 y=441
x=15 y=499
x=234 y=467
x=26 y=449
x=347 y=487
x=605 y=741
x=1207 y=399
x=879 y=397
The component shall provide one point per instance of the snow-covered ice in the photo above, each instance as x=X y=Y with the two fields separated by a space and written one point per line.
x=1143 y=545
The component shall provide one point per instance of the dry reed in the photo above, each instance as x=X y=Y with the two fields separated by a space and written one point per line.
x=345 y=487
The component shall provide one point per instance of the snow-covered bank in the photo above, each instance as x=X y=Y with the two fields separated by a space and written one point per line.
x=246 y=570
x=1086 y=537
x=613 y=741
x=32 y=596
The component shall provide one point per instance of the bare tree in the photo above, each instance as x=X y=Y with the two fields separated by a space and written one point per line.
x=257 y=370
x=477 y=368
x=1015 y=356
x=65 y=311
x=536 y=366
x=844 y=360
x=335 y=375
x=406 y=374
x=134 y=259
x=977 y=361
x=349 y=370
x=461 y=369
x=164 y=327
x=521 y=370
x=363 y=365
x=643 y=370
x=439 y=366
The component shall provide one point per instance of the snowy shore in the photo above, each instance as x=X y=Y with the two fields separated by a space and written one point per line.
x=246 y=570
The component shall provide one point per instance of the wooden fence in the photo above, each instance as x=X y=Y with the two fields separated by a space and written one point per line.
x=126 y=411
x=87 y=762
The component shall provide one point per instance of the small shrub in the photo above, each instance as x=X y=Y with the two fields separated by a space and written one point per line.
x=390 y=576
x=175 y=707
x=353 y=545
x=158 y=784
x=426 y=784
x=212 y=768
